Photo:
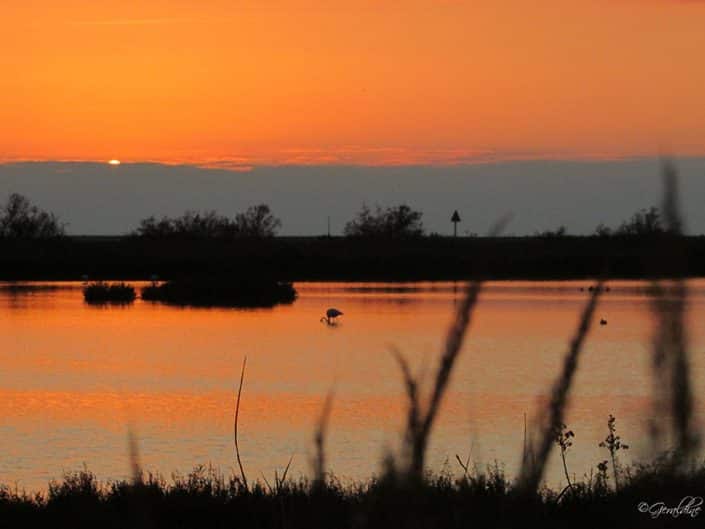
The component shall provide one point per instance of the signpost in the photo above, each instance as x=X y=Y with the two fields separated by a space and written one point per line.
x=455 y=219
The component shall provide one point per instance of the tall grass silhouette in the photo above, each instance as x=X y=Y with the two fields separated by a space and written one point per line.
x=422 y=413
x=235 y=425
x=319 y=462
x=673 y=396
x=134 y=455
x=551 y=418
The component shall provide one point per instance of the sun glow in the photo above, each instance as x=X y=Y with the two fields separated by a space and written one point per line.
x=374 y=83
x=114 y=162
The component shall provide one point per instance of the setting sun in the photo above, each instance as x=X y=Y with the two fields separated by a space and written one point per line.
x=114 y=162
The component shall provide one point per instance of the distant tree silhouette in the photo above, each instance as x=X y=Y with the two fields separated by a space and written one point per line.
x=602 y=230
x=550 y=234
x=393 y=222
x=643 y=222
x=153 y=228
x=189 y=225
x=257 y=221
x=20 y=219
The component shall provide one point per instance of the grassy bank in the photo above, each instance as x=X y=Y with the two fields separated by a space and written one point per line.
x=311 y=258
x=477 y=499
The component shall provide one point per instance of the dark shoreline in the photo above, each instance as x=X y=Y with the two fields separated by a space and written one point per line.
x=340 y=259
x=484 y=498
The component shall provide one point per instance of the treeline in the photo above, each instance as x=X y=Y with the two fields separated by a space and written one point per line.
x=643 y=223
x=20 y=219
x=256 y=221
x=259 y=222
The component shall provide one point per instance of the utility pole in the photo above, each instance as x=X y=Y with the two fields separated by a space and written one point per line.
x=329 y=227
x=455 y=219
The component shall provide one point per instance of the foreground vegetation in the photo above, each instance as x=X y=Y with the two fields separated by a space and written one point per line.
x=205 y=498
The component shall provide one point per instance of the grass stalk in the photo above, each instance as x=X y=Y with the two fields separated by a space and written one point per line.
x=552 y=418
x=235 y=427
x=420 y=418
x=134 y=453
x=670 y=359
x=319 y=464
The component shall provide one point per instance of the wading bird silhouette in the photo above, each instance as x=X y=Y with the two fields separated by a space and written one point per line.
x=331 y=315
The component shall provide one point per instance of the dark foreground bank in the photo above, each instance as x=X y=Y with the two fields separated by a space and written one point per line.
x=302 y=258
x=649 y=496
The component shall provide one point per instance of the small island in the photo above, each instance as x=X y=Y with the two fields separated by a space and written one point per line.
x=255 y=293
x=100 y=292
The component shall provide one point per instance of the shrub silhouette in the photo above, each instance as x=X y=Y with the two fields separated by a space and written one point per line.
x=551 y=234
x=644 y=222
x=394 y=222
x=222 y=292
x=189 y=225
x=257 y=221
x=20 y=219
x=109 y=293
x=602 y=230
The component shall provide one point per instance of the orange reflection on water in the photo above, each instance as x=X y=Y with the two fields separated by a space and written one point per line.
x=74 y=376
x=113 y=411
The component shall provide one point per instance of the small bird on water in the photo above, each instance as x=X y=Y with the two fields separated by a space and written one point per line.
x=331 y=315
x=603 y=321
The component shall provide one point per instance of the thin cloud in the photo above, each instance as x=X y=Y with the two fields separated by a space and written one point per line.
x=352 y=155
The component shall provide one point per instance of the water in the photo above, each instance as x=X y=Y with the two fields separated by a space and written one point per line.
x=73 y=377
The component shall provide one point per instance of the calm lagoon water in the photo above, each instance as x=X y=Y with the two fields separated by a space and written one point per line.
x=74 y=378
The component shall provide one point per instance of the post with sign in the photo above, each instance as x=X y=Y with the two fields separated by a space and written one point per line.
x=455 y=219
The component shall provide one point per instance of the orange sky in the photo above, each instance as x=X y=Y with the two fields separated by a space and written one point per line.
x=231 y=82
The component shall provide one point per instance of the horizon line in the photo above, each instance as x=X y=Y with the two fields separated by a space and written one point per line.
x=239 y=165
